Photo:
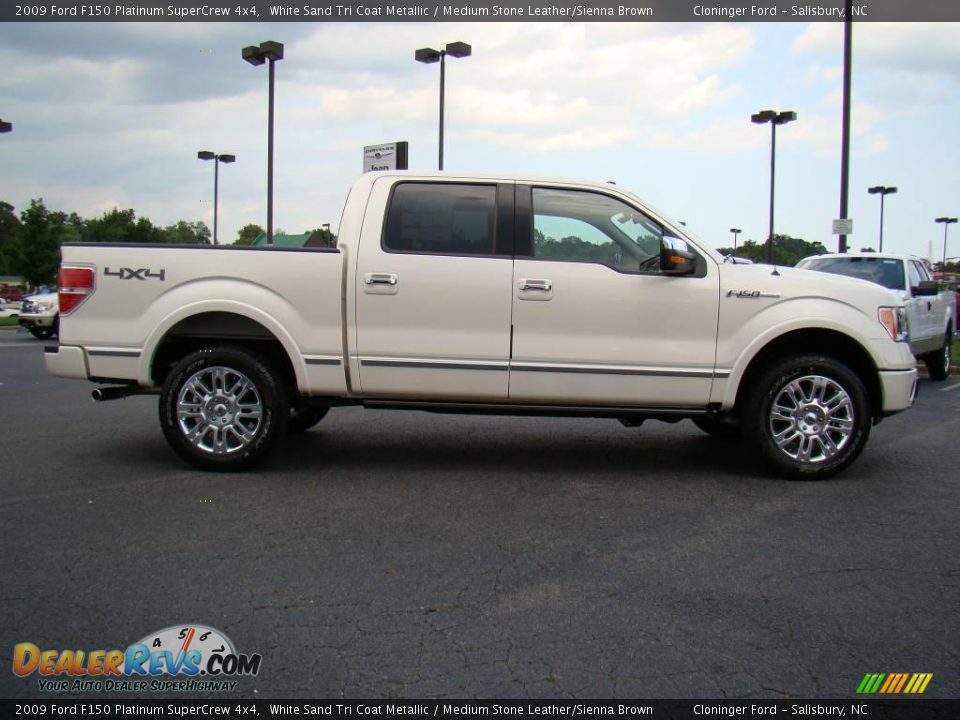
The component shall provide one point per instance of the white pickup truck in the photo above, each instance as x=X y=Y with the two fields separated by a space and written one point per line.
x=930 y=311
x=498 y=294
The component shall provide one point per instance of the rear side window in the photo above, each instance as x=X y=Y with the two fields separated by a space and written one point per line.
x=441 y=219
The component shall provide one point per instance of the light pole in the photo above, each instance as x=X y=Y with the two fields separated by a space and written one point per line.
x=774 y=118
x=947 y=221
x=882 y=192
x=428 y=56
x=735 y=231
x=269 y=51
x=217 y=159
x=5 y=126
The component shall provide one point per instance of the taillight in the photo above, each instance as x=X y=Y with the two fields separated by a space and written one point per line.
x=74 y=285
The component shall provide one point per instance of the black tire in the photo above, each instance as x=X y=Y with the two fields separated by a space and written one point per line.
x=718 y=427
x=304 y=418
x=41 y=333
x=938 y=362
x=220 y=411
x=822 y=430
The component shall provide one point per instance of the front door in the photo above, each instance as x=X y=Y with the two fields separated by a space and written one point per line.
x=594 y=320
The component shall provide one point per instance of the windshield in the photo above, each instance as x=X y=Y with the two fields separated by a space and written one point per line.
x=883 y=271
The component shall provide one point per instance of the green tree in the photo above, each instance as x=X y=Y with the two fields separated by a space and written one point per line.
x=9 y=227
x=786 y=250
x=325 y=237
x=121 y=226
x=248 y=233
x=35 y=253
x=187 y=233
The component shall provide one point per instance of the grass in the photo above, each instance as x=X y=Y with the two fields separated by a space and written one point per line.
x=8 y=321
x=956 y=352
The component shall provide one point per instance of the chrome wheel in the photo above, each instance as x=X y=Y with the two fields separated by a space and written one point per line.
x=811 y=419
x=219 y=410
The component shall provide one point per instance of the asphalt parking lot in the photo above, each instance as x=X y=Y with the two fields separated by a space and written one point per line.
x=404 y=554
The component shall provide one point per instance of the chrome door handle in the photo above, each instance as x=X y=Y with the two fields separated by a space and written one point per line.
x=380 y=279
x=544 y=285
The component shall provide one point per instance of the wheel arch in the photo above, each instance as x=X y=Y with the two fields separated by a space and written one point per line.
x=831 y=343
x=220 y=323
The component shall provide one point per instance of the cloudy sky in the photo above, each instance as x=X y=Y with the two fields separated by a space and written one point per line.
x=112 y=115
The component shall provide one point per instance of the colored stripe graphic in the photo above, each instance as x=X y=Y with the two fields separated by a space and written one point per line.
x=894 y=683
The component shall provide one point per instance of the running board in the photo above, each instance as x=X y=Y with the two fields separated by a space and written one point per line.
x=597 y=411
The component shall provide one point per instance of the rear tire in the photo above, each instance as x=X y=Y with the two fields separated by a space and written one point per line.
x=809 y=415
x=222 y=408
x=938 y=361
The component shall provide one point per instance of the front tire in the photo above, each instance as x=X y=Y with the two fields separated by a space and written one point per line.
x=44 y=333
x=41 y=333
x=809 y=415
x=221 y=408
x=938 y=362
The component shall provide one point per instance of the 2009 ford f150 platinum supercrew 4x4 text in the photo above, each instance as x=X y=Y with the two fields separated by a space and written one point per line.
x=485 y=294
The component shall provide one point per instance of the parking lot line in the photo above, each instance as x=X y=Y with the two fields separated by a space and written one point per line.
x=948 y=388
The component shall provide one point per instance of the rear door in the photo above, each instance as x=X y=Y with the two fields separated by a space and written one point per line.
x=432 y=290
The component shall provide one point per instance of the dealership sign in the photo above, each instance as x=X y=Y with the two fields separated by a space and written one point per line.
x=387 y=156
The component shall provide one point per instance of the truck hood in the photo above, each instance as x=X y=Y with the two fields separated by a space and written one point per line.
x=43 y=297
x=790 y=283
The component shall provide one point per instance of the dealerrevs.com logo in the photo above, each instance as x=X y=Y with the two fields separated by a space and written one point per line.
x=177 y=658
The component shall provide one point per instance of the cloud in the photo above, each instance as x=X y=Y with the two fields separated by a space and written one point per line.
x=615 y=78
x=897 y=65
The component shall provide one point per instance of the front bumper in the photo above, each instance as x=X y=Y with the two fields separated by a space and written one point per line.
x=42 y=321
x=899 y=388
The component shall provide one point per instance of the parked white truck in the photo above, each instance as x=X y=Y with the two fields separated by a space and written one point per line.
x=501 y=295
x=930 y=310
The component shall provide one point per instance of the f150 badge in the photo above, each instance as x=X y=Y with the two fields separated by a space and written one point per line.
x=138 y=274
x=750 y=294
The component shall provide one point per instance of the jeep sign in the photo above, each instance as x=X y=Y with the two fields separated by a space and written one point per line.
x=388 y=156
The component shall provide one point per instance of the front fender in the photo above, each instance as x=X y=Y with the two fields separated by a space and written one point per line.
x=744 y=334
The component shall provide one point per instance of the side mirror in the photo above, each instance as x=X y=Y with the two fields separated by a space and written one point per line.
x=676 y=257
x=926 y=288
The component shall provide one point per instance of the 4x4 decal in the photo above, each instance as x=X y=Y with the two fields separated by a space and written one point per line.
x=139 y=274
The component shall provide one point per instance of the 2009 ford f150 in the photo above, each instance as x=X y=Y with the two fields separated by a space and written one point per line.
x=485 y=294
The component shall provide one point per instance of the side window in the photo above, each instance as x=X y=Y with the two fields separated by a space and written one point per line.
x=914 y=274
x=441 y=218
x=591 y=227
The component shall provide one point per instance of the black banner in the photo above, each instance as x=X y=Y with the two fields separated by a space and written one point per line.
x=869 y=709
x=477 y=10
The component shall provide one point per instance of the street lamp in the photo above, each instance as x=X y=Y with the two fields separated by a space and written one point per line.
x=882 y=192
x=256 y=55
x=774 y=118
x=217 y=159
x=5 y=126
x=947 y=221
x=735 y=231
x=428 y=56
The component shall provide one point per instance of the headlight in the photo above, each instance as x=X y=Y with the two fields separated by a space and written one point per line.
x=894 y=321
x=42 y=307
